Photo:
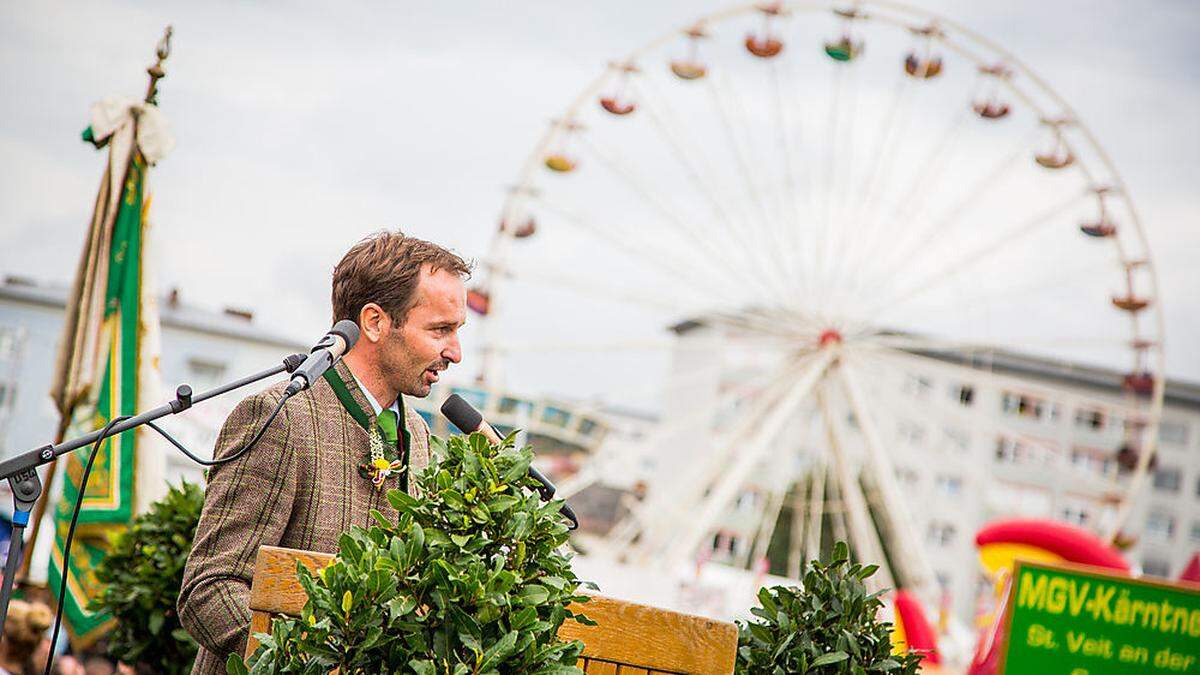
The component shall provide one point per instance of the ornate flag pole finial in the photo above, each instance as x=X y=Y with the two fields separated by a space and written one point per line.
x=156 y=72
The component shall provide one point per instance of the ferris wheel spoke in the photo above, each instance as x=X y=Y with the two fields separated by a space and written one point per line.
x=869 y=187
x=981 y=297
x=751 y=453
x=864 y=535
x=843 y=226
x=686 y=233
x=924 y=183
x=657 y=519
x=824 y=234
x=656 y=256
x=910 y=247
x=665 y=122
x=917 y=568
x=880 y=154
x=790 y=221
x=975 y=257
x=778 y=266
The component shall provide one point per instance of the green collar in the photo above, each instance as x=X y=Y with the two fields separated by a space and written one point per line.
x=364 y=419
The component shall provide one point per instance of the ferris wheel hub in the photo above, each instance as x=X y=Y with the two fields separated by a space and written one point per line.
x=829 y=337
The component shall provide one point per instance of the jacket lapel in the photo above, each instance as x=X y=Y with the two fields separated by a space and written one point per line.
x=356 y=392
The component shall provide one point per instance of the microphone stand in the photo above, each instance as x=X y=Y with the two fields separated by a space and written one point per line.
x=21 y=471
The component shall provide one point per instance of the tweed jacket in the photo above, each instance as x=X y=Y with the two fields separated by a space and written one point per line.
x=298 y=488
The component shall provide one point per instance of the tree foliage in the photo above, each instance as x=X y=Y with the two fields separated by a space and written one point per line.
x=830 y=625
x=469 y=580
x=141 y=576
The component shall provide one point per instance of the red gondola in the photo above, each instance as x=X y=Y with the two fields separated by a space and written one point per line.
x=525 y=229
x=478 y=301
x=991 y=107
x=1130 y=303
x=612 y=105
x=1100 y=228
x=990 y=110
x=618 y=103
x=1140 y=382
x=767 y=45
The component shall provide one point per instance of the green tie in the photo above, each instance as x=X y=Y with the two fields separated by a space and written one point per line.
x=387 y=427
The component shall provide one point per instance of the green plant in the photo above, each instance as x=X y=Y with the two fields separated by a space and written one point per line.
x=468 y=580
x=141 y=576
x=829 y=625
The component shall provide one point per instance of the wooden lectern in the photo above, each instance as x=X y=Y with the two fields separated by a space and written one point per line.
x=630 y=639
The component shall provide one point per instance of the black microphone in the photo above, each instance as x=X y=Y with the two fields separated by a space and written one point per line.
x=469 y=420
x=339 y=340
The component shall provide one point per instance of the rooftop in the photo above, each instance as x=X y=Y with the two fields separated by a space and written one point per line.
x=173 y=312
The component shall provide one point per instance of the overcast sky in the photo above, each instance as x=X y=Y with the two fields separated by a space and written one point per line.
x=302 y=128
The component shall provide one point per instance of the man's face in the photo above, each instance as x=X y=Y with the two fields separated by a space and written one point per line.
x=414 y=352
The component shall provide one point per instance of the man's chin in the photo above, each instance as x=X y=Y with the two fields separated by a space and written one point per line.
x=419 y=391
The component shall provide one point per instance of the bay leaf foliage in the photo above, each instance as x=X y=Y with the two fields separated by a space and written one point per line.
x=139 y=581
x=829 y=625
x=469 y=580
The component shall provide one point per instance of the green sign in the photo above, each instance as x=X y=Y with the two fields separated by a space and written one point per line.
x=1071 y=620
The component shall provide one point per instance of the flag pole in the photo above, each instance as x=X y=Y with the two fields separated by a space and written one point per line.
x=156 y=72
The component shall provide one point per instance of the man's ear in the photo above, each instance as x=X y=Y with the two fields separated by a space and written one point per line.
x=373 y=322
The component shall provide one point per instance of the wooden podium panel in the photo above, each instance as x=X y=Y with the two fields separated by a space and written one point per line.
x=631 y=639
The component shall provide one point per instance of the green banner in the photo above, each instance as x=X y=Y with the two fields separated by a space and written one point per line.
x=108 y=500
x=1073 y=620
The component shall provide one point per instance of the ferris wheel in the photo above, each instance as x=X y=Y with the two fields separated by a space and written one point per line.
x=820 y=198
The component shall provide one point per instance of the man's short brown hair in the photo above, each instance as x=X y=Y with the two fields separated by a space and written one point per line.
x=384 y=269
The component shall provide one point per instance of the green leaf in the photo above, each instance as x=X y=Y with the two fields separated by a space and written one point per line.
x=235 y=666
x=832 y=657
x=499 y=651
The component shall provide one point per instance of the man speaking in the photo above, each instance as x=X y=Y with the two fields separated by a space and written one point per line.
x=336 y=448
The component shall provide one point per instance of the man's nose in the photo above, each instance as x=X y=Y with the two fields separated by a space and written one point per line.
x=453 y=351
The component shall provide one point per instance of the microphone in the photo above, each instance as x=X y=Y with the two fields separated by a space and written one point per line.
x=469 y=420
x=339 y=340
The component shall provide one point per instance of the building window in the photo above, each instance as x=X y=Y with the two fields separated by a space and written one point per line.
x=917 y=386
x=1092 y=460
x=906 y=476
x=205 y=374
x=1013 y=451
x=940 y=533
x=10 y=341
x=1167 y=479
x=949 y=485
x=1195 y=534
x=1156 y=567
x=1160 y=525
x=1075 y=514
x=746 y=500
x=965 y=394
x=8 y=394
x=1023 y=405
x=1175 y=433
x=1090 y=418
x=911 y=432
x=959 y=438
